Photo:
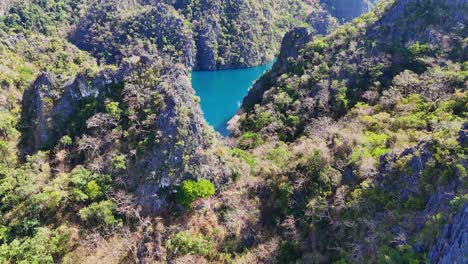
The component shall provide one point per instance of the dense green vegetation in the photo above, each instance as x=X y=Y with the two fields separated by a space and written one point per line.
x=193 y=190
x=40 y=16
x=201 y=34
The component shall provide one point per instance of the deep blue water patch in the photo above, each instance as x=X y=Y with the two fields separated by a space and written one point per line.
x=221 y=92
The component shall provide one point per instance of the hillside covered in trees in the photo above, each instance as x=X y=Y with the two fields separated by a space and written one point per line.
x=351 y=149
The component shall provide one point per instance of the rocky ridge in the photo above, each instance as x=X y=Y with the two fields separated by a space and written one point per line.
x=175 y=138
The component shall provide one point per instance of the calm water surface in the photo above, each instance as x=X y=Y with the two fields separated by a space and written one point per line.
x=221 y=92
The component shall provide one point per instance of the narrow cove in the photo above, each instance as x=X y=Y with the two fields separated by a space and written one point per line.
x=221 y=92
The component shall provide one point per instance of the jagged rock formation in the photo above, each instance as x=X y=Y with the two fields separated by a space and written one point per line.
x=351 y=149
x=35 y=115
x=226 y=34
x=209 y=34
x=154 y=103
x=292 y=43
x=321 y=21
x=109 y=34
x=452 y=243
x=47 y=108
x=407 y=183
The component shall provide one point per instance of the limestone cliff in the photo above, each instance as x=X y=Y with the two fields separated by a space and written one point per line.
x=145 y=111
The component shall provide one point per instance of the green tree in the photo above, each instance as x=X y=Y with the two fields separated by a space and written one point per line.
x=113 y=109
x=192 y=190
x=99 y=213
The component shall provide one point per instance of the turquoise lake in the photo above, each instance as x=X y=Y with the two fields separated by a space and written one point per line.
x=221 y=92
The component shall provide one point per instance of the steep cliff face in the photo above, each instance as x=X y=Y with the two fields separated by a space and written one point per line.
x=47 y=107
x=35 y=114
x=245 y=33
x=438 y=207
x=453 y=241
x=145 y=112
x=110 y=30
x=208 y=34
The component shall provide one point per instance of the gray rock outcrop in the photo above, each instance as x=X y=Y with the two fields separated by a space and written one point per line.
x=47 y=105
x=169 y=142
x=452 y=244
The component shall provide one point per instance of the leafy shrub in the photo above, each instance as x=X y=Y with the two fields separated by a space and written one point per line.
x=458 y=202
x=192 y=190
x=411 y=121
x=250 y=140
x=372 y=145
x=285 y=191
x=119 y=162
x=65 y=141
x=113 y=109
x=318 y=45
x=262 y=120
x=93 y=190
x=288 y=252
x=417 y=49
x=40 y=248
x=415 y=203
x=431 y=228
x=99 y=213
x=294 y=121
x=341 y=101
x=184 y=243
x=7 y=125
x=87 y=185
x=403 y=254
x=279 y=155
x=239 y=153
x=282 y=101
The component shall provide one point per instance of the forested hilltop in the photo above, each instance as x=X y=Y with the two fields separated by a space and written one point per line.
x=352 y=149
x=204 y=35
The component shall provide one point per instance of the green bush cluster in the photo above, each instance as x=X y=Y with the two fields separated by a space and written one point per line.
x=190 y=191
x=184 y=243
x=250 y=140
x=403 y=254
x=88 y=186
x=99 y=213
x=42 y=16
x=44 y=247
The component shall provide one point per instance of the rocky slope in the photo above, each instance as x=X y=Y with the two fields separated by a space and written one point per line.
x=453 y=240
x=203 y=35
x=144 y=112
x=211 y=34
x=351 y=149
x=323 y=71
x=355 y=97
